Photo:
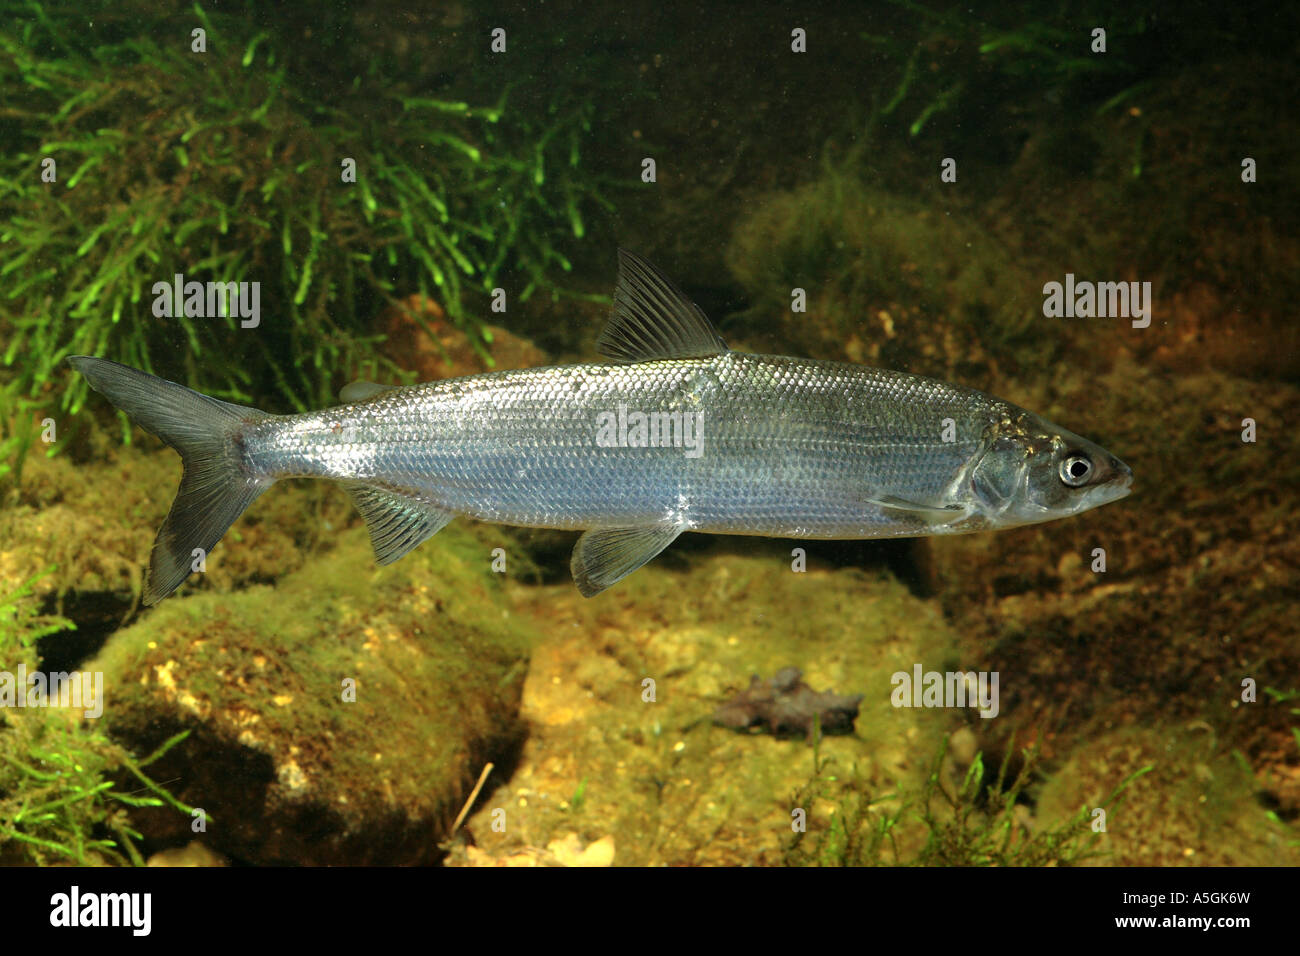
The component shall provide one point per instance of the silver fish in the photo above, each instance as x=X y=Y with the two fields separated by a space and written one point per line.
x=676 y=433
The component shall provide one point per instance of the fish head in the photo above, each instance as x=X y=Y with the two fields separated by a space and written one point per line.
x=1031 y=470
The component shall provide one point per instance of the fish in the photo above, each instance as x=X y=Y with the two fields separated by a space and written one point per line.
x=673 y=432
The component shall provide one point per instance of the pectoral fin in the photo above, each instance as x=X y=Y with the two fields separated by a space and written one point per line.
x=605 y=556
x=927 y=514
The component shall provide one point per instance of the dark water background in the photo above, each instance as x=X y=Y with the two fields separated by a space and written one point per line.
x=1163 y=689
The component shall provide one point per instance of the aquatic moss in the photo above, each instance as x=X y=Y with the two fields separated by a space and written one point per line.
x=220 y=166
x=97 y=521
x=968 y=818
x=63 y=797
x=982 y=825
x=258 y=677
x=890 y=281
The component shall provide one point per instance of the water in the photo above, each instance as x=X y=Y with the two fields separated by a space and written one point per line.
x=406 y=195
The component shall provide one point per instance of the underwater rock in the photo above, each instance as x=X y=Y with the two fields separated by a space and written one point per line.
x=339 y=717
x=1197 y=803
x=95 y=521
x=564 y=851
x=878 y=268
x=448 y=353
x=192 y=854
x=616 y=688
x=786 y=705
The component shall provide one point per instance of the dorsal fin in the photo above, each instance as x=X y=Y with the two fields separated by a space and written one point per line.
x=653 y=319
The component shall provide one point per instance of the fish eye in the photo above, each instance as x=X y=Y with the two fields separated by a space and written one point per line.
x=1076 y=468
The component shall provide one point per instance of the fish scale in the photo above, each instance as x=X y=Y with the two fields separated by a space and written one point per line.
x=741 y=444
x=788 y=445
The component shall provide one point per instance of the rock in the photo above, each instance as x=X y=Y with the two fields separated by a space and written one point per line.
x=570 y=851
x=786 y=705
x=621 y=689
x=193 y=854
x=1197 y=801
x=95 y=522
x=963 y=745
x=448 y=353
x=567 y=850
x=339 y=717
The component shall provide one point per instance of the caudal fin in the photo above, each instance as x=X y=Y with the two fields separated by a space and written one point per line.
x=215 y=485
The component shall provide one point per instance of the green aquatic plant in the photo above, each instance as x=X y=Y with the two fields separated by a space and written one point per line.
x=22 y=624
x=60 y=796
x=59 y=799
x=950 y=60
x=975 y=823
x=17 y=430
x=218 y=166
x=983 y=828
x=860 y=830
x=579 y=796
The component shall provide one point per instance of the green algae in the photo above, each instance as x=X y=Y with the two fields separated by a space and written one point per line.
x=260 y=676
x=63 y=797
x=1198 y=806
x=225 y=166
x=666 y=784
x=890 y=281
x=97 y=519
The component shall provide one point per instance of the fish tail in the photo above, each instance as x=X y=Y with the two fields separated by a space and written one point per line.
x=217 y=484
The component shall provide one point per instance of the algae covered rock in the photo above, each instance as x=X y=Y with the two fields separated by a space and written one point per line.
x=622 y=688
x=1190 y=801
x=419 y=338
x=341 y=716
x=890 y=281
x=95 y=522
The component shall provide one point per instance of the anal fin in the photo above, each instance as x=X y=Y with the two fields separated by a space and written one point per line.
x=397 y=522
x=605 y=556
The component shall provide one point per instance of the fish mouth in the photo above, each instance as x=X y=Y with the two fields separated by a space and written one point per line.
x=1123 y=480
x=1118 y=485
